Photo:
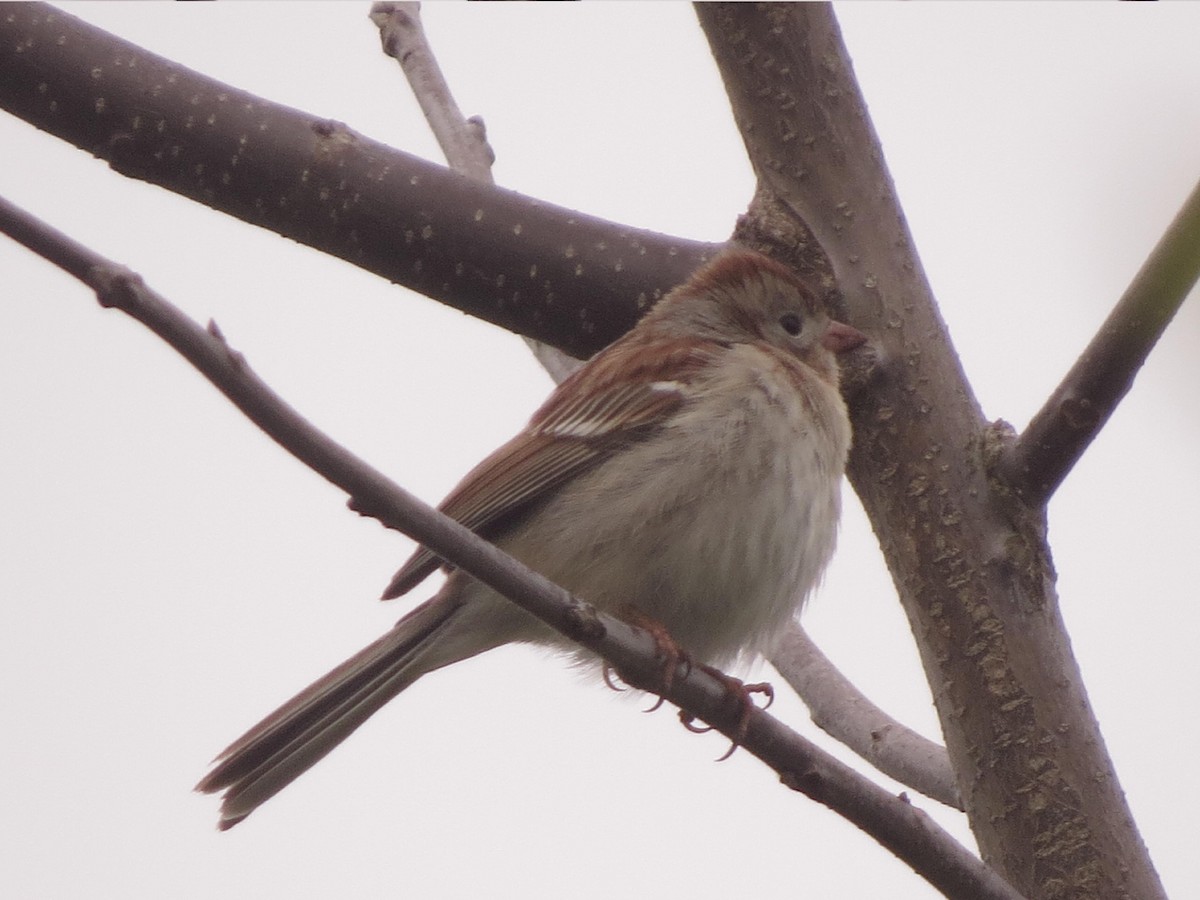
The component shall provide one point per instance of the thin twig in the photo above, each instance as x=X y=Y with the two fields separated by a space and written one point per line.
x=906 y=831
x=1038 y=461
x=846 y=714
x=463 y=141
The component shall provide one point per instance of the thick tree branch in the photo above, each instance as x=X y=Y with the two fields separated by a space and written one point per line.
x=972 y=568
x=1037 y=462
x=321 y=184
x=802 y=766
x=845 y=713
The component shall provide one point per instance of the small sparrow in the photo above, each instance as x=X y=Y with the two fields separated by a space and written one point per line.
x=691 y=471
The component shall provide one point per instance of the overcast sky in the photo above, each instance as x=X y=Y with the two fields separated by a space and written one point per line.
x=170 y=575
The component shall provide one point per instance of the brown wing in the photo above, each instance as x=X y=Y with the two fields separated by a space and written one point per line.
x=622 y=395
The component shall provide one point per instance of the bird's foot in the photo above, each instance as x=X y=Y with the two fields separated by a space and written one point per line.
x=742 y=695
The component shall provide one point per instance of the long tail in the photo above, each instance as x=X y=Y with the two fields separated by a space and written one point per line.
x=286 y=743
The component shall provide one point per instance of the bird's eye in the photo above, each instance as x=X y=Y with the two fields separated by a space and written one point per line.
x=791 y=323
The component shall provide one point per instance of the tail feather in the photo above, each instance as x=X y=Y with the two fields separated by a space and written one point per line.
x=290 y=740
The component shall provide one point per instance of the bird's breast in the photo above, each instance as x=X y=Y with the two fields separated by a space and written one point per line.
x=718 y=525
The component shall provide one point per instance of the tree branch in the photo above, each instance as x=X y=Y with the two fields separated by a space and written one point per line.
x=802 y=766
x=846 y=714
x=971 y=567
x=1037 y=462
x=323 y=185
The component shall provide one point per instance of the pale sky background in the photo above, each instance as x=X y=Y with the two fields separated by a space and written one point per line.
x=169 y=575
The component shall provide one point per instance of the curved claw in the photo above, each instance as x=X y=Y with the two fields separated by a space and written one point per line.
x=733 y=745
x=607 y=672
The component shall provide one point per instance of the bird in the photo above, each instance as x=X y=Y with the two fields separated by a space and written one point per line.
x=689 y=473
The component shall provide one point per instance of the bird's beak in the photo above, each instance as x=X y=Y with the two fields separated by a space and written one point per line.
x=840 y=338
